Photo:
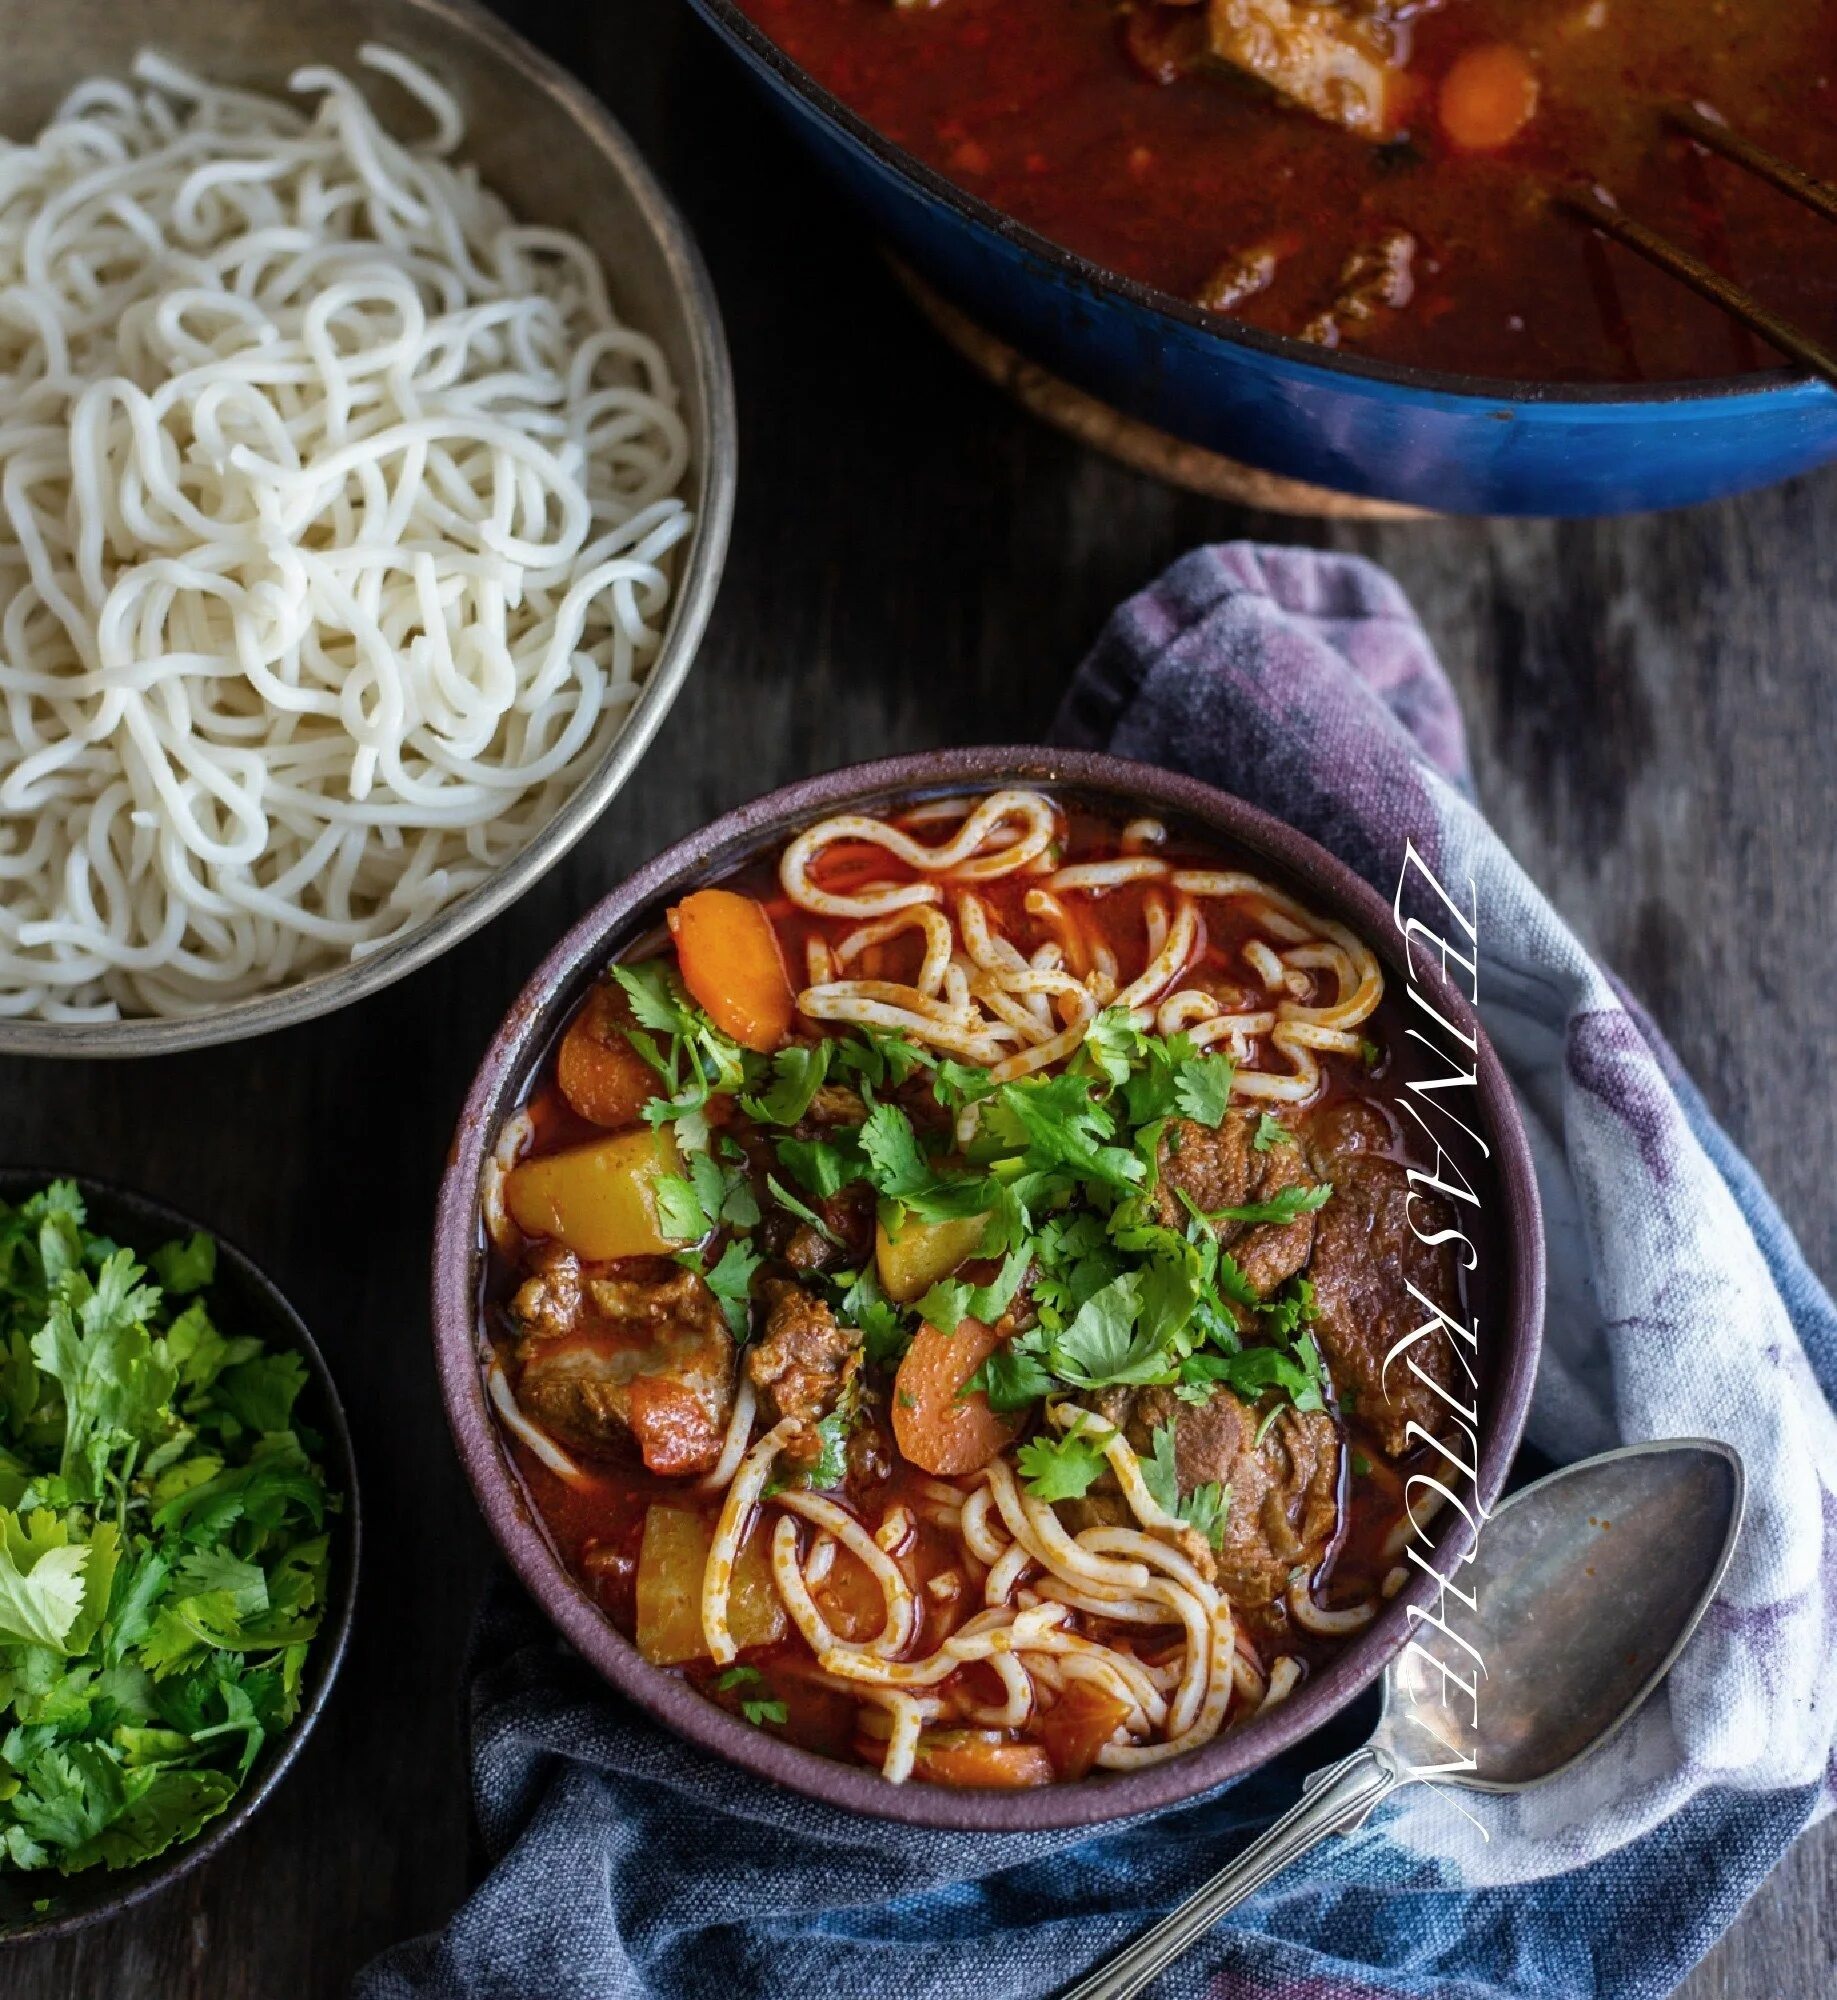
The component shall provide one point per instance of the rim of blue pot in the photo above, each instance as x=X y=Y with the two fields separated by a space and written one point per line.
x=764 y=53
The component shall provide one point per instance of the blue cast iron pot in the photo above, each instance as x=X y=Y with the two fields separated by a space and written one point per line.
x=1453 y=443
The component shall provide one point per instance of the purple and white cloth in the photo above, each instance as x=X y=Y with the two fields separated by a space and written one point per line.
x=627 y=1864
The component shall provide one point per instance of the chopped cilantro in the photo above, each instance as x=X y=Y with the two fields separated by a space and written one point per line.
x=900 y=1171
x=787 y=1200
x=692 y=1057
x=797 y=1076
x=824 y=1166
x=1281 y=1208
x=182 y=1268
x=691 y=1206
x=162 y=1544
x=950 y=1301
x=1202 y=1088
x=830 y=1466
x=1205 y=1508
x=731 y=1281
x=1061 y=1468
x=756 y=1709
x=864 y=1307
x=1270 y=1132
x=1015 y=1374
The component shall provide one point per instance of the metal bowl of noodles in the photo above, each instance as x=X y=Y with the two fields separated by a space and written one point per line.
x=559 y=161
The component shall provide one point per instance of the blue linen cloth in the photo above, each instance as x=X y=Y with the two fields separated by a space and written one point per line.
x=626 y=1863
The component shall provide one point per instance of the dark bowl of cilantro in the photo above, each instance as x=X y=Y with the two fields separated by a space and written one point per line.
x=178 y=1542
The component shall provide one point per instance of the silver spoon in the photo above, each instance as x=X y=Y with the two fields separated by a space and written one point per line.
x=1588 y=1584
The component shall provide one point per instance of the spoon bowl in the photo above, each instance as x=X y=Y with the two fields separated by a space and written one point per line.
x=1557 y=1623
x=1586 y=1586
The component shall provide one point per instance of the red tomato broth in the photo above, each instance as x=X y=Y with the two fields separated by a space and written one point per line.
x=597 y=1524
x=1037 y=107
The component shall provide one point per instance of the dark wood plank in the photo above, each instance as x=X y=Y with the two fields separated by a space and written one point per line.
x=1655 y=729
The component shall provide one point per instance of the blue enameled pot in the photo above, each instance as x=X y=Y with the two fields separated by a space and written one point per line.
x=1453 y=443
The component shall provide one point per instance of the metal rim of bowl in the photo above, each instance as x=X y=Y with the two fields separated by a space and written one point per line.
x=342 y=985
x=154 y=1222
x=760 y=49
x=517 y=1049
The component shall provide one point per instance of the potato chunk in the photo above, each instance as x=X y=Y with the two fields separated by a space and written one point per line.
x=599 y=1199
x=923 y=1252
x=671 y=1559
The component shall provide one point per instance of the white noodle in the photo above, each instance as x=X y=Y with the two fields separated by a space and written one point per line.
x=539 y=1442
x=337 y=512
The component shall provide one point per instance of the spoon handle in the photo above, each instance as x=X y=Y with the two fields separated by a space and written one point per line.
x=1335 y=1799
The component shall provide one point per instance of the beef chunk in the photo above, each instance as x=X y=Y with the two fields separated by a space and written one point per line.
x=1284 y=1491
x=548 y=1302
x=638 y=1357
x=1346 y=1126
x=1336 y=61
x=1223 y=1169
x=1365 y=1256
x=804 y=1360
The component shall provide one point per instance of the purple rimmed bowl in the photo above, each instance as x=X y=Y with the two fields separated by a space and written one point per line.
x=1511 y=1323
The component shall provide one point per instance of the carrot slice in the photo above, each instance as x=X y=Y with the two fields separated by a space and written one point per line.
x=974 y=1763
x=605 y=1080
x=1078 y=1724
x=732 y=965
x=939 y=1428
x=1488 y=97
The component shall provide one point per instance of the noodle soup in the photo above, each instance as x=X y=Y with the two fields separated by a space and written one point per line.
x=956 y=1294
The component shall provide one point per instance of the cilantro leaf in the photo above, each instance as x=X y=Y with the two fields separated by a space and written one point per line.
x=1062 y=1468
x=680 y=1214
x=787 y=1200
x=1206 y=1508
x=117 y=1386
x=824 y=1166
x=1158 y=1473
x=188 y=1266
x=830 y=1467
x=1280 y=1208
x=797 y=1076
x=261 y=1392
x=1115 y=1045
x=864 y=1307
x=759 y=1713
x=951 y=1301
x=41 y=1579
x=1111 y=1339
x=1202 y=1088
x=731 y=1281
x=1270 y=1132
x=900 y=1171
x=1015 y=1373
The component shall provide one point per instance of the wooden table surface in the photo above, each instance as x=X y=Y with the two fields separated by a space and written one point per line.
x=1654 y=721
